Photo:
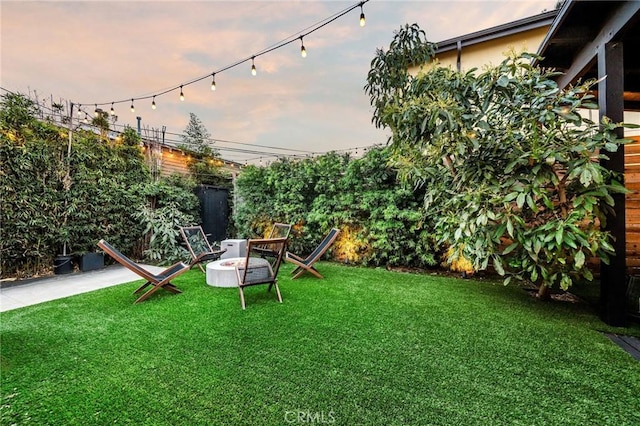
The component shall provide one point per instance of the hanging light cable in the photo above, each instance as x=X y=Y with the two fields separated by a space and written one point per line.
x=213 y=81
x=303 y=51
x=153 y=102
x=283 y=43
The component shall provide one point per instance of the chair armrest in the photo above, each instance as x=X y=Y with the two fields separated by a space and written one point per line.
x=293 y=256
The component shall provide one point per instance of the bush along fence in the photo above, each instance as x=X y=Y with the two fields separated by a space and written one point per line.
x=60 y=196
x=381 y=222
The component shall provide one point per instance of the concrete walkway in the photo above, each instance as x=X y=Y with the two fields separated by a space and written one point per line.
x=30 y=292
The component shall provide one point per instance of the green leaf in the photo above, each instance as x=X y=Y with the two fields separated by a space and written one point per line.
x=611 y=147
x=586 y=273
x=503 y=81
x=497 y=264
x=565 y=282
x=532 y=205
x=579 y=259
x=511 y=196
x=558 y=235
x=586 y=177
x=510 y=248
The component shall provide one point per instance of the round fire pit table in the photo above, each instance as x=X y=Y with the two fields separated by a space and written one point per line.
x=222 y=273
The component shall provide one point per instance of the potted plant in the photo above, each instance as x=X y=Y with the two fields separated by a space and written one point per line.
x=90 y=261
x=62 y=263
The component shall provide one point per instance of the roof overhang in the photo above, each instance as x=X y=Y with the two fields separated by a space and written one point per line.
x=581 y=29
x=544 y=19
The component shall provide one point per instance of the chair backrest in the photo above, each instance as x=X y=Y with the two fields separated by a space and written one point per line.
x=280 y=230
x=196 y=240
x=269 y=269
x=124 y=260
x=323 y=246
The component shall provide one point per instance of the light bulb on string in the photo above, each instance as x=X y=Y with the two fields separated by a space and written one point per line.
x=153 y=103
x=95 y=111
x=253 y=66
x=362 y=20
x=133 y=109
x=112 y=112
x=86 y=118
x=303 y=51
x=213 y=81
x=181 y=94
x=79 y=110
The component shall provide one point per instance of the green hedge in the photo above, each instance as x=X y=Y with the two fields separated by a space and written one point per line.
x=101 y=189
x=380 y=221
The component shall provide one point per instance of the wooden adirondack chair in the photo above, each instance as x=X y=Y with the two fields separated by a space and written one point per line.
x=306 y=264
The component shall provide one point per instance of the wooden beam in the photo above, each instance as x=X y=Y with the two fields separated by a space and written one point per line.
x=610 y=30
x=613 y=282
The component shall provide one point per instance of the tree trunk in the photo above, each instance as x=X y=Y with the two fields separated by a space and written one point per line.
x=544 y=292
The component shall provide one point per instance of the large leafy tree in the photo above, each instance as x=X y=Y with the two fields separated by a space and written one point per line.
x=510 y=168
x=389 y=77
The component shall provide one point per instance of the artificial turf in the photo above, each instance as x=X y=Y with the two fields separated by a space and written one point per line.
x=360 y=347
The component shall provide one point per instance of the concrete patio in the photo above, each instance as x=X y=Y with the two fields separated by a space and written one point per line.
x=18 y=294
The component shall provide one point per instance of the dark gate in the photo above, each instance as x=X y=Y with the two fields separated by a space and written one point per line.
x=214 y=211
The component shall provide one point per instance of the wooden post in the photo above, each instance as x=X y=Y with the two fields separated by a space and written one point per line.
x=613 y=283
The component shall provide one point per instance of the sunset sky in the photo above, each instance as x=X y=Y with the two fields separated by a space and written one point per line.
x=98 y=52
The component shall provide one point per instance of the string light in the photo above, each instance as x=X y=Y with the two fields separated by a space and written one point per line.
x=223 y=147
x=303 y=51
x=254 y=71
x=95 y=111
x=153 y=103
x=86 y=118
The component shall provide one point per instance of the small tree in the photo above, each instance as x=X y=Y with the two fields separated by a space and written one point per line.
x=101 y=122
x=196 y=137
x=203 y=162
x=510 y=167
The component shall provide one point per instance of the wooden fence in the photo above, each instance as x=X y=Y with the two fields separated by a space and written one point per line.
x=632 y=182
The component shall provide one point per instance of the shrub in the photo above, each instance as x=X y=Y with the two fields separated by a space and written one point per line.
x=380 y=221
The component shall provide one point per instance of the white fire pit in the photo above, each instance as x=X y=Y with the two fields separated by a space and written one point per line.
x=222 y=273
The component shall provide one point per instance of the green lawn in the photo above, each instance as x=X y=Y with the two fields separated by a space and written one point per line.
x=362 y=346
